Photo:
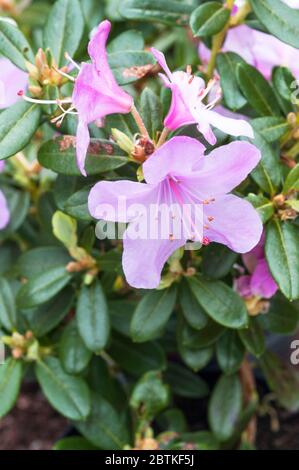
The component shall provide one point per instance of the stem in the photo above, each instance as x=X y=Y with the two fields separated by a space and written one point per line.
x=217 y=43
x=240 y=16
x=163 y=137
x=249 y=393
x=293 y=152
x=139 y=122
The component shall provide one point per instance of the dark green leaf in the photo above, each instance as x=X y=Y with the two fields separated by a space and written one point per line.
x=268 y=172
x=230 y=352
x=151 y=111
x=59 y=155
x=8 y=314
x=74 y=355
x=152 y=314
x=103 y=427
x=196 y=359
x=292 y=181
x=10 y=382
x=270 y=128
x=220 y=302
x=129 y=66
x=195 y=339
x=209 y=19
x=164 y=11
x=218 y=261
x=257 y=90
x=253 y=338
x=185 y=383
x=39 y=260
x=14 y=45
x=227 y=66
x=64 y=29
x=282 y=316
x=279 y=19
x=92 y=317
x=263 y=205
x=67 y=394
x=150 y=395
x=282 y=243
x=225 y=406
x=43 y=287
x=17 y=126
x=192 y=311
x=74 y=443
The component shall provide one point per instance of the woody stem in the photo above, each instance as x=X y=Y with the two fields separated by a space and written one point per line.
x=139 y=122
x=217 y=42
x=249 y=393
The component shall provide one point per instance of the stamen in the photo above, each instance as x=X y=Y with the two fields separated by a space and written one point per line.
x=36 y=101
x=189 y=69
x=210 y=218
x=191 y=79
x=66 y=75
x=69 y=58
x=206 y=227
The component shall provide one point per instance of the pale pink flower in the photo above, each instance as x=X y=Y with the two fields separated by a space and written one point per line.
x=12 y=79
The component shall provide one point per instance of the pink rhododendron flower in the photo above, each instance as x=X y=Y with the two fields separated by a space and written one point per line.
x=179 y=174
x=96 y=92
x=259 y=49
x=187 y=107
x=12 y=79
x=260 y=281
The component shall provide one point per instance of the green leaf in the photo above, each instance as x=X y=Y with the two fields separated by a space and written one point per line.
x=217 y=261
x=225 y=406
x=203 y=440
x=196 y=359
x=151 y=111
x=279 y=19
x=68 y=394
x=10 y=381
x=268 y=172
x=282 y=255
x=283 y=82
x=263 y=205
x=8 y=314
x=149 y=396
x=227 y=65
x=103 y=427
x=64 y=29
x=92 y=317
x=129 y=66
x=282 y=380
x=185 y=383
x=253 y=338
x=121 y=312
x=74 y=355
x=270 y=128
x=14 y=45
x=43 y=287
x=17 y=126
x=292 y=181
x=192 y=311
x=48 y=316
x=59 y=155
x=195 y=339
x=220 y=302
x=209 y=19
x=257 y=90
x=136 y=359
x=152 y=314
x=77 y=205
x=34 y=262
x=74 y=443
x=282 y=316
x=164 y=11
x=230 y=352
x=131 y=40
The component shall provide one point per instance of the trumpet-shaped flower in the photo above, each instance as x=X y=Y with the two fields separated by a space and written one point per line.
x=96 y=92
x=194 y=189
x=12 y=79
x=187 y=106
x=260 y=281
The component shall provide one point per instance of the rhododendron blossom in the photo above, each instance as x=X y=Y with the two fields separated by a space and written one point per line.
x=12 y=79
x=179 y=173
x=96 y=92
x=187 y=106
x=260 y=281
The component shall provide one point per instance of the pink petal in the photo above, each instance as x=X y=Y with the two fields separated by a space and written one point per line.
x=242 y=286
x=178 y=114
x=257 y=253
x=112 y=200
x=4 y=212
x=235 y=127
x=262 y=283
x=143 y=260
x=82 y=143
x=176 y=157
x=235 y=223
x=2 y=165
x=224 y=168
x=12 y=80
x=161 y=61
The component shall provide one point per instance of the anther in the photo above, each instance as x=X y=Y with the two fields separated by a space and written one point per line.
x=210 y=218
x=206 y=241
